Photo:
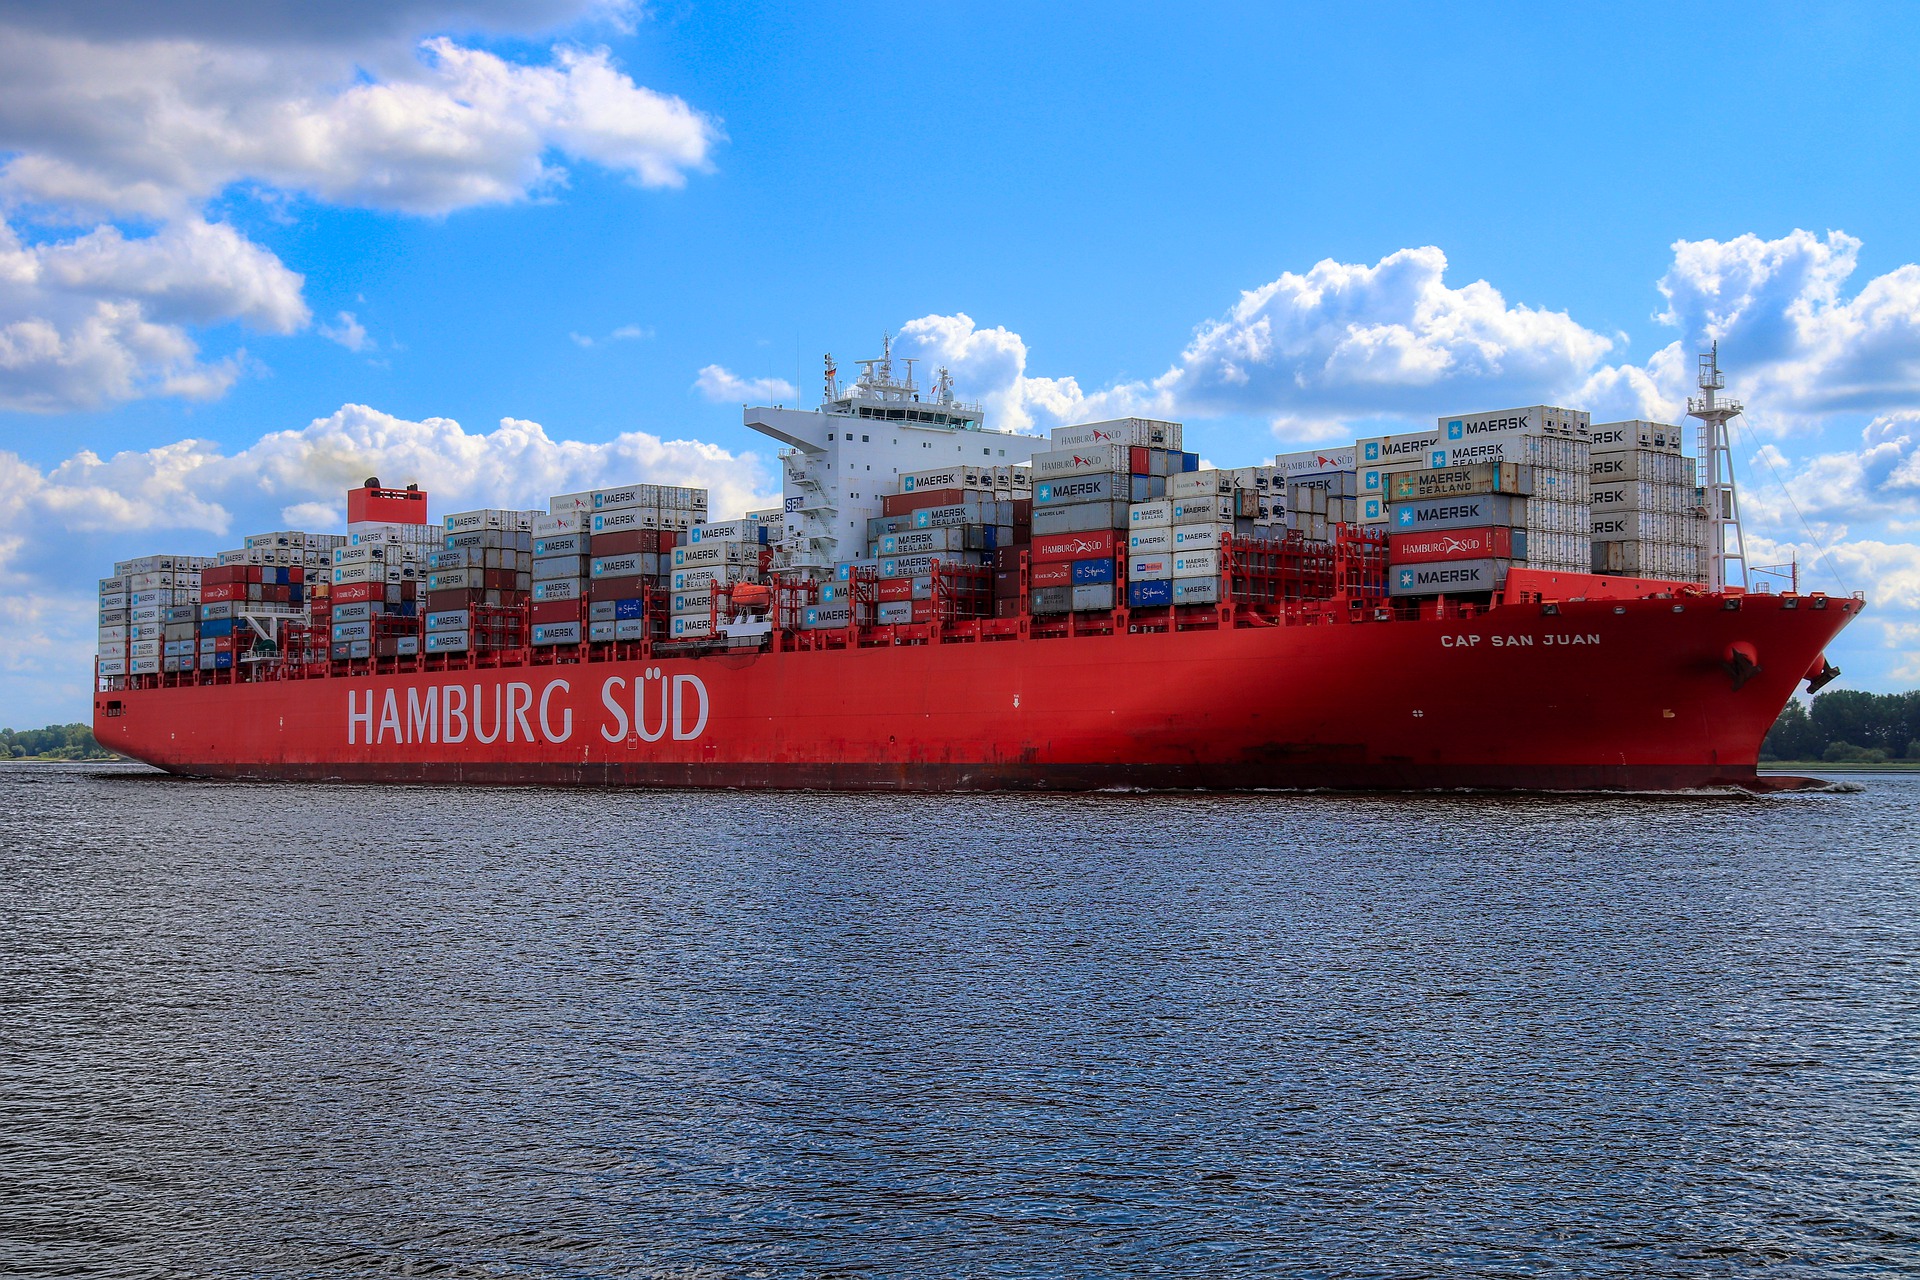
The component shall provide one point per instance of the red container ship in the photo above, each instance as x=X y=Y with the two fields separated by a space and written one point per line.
x=1560 y=683
x=1297 y=669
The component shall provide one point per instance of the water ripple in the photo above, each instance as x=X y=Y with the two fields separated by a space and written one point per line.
x=340 y=1031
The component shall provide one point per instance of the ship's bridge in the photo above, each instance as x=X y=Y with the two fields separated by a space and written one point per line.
x=854 y=448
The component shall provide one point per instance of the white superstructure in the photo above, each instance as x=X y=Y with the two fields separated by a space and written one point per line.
x=855 y=447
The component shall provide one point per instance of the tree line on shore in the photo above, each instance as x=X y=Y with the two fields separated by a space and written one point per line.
x=1847 y=726
x=55 y=742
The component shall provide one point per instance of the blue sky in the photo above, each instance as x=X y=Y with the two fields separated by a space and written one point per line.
x=314 y=241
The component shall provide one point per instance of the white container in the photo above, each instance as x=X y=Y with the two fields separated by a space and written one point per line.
x=1145 y=432
x=1093 y=597
x=1200 y=484
x=1538 y=419
x=487 y=518
x=1607 y=437
x=143 y=666
x=559 y=589
x=923 y=541
x=1150 y=541
x=623 y=496
x=451 y=580
x=1149 y=568
x=1197 y=510
x=1196 y=564
x=1148 y=515
x=448 y=641
x=691 y=579
x=1200 y=537
x=567 y=503
x=621 y=519
x=891 y=613
x=1094 y=460
x=552 y=633
x=711 y=553
x=548 y=568
x=959 y=476
x=691 y=626
x=572 y=520
x=727 y=531
x=1308 y=462
x=1196 y=590
x=113 y=666
x=1411 y=448
x=698 y=600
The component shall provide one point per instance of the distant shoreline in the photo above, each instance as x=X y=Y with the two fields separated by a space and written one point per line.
x=1837 y=766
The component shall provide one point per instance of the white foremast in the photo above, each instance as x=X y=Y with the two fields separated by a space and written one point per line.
x=1716 y=462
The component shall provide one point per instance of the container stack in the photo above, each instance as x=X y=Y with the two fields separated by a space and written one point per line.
x=115 y=609
x=1322 y=488
x=561 y=571
x=1647 y=521
x=634 y=529
x=713 y=559
x=1176 y=544
x=1551 y=445
x=949 y=516
x=1085 y=490
x=250 y=601
x=478 y=582
x=138 y=604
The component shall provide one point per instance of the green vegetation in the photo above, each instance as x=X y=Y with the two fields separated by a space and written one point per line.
x=55 y=742
x=1848 y=727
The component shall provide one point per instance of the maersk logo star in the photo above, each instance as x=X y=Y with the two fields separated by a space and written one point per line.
x=1043 y=493
x=1455 y=431
x=1406 y=577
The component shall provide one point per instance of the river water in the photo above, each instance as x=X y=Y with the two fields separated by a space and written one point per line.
x=333 y=1031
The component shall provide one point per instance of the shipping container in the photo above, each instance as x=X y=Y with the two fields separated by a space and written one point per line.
x=1082 y=517
x=1459 y=513
x=1454 y=577
x=1194 y=564
x=1149 y=541
x=1448 y=482
x=1457 y=544
x=1145 y=432
x=1196 y=590
x=1074 y=546
x=1146 y=568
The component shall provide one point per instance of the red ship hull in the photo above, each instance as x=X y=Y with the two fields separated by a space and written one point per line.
x=1606 y=694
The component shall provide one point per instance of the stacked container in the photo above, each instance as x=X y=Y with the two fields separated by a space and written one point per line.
x=479 y=581
x=246 y=602
x=952 y=516
x=634 y=529
x=561 y=574
x=1084 y=493
x=138 y=604
x=713 y=559
x=1647 y=520
x=1322 y=491
x=1175 y=544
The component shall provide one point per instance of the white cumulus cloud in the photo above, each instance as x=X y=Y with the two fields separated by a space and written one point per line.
x=347 y=330
x=63 y=526
x=125 y=118
x=723 y=387
x=102 y=318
